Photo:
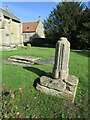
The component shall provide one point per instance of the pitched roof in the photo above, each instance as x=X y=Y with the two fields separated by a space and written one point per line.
x=10 y=15
x=29 y=27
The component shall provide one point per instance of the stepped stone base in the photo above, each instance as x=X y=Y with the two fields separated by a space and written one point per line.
x=60 y=88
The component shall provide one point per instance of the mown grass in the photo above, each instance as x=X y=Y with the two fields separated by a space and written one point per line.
x=44 y=53
x=32 y=101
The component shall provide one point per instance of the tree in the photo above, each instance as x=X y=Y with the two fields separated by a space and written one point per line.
x=83 y=30
x=64 y=21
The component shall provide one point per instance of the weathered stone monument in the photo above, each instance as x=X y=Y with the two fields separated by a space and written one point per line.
x=60 y=69
x=59 y=82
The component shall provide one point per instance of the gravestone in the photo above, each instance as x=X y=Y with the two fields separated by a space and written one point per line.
x=59 y=82
x=28 y=46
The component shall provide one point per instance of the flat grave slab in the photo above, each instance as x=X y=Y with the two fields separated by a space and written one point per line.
x=18 y=60
x=25 y=58
x=16 y=63
x=26 y=61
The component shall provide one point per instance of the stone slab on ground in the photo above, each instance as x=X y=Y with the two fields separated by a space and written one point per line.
x=18 y=61
x=15 y=63
x=25 y=58
x=58 y=87
x=25 y=61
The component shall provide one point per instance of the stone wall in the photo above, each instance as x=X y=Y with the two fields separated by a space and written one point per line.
x=11 y=33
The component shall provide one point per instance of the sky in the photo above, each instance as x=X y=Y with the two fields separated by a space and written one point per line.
x=30 y=11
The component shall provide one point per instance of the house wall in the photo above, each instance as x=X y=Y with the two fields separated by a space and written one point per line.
x=11 y=33
x=40 y=30
x=38 y=34
x=27 y=36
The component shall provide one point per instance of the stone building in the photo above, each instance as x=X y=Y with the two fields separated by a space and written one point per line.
x=33 y=30
x=10 y=30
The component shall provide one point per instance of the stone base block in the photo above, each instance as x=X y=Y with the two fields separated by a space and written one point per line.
x=61 y=88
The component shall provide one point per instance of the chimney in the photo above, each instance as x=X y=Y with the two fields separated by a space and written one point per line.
x=6 y=7
x=39 y=18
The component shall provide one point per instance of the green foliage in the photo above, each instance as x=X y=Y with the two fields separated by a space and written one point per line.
x=65 y=20
x=40 y=42
x=34 y=102
x=9 y=107
x=83 y=30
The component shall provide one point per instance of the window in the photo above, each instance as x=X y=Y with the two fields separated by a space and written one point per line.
x=27 y=27
x=25 y=35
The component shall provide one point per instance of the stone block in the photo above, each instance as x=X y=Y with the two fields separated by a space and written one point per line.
x=60 y=83
x=58 y=87
x=72 y=80
x=52 y=83
x=47 y=90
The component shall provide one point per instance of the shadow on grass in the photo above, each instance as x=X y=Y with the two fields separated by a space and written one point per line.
x=85 y=53
x=36 y=81
x=36 y=71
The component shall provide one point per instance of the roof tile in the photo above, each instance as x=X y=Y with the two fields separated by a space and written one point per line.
x=29 y=27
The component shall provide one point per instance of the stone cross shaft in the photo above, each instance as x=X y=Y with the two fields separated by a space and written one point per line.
x=60 y=70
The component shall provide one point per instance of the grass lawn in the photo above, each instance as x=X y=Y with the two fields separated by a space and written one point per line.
x=32 y=101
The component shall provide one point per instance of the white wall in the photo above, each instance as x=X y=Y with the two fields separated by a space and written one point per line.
x=40 y=30
x=27 y=36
